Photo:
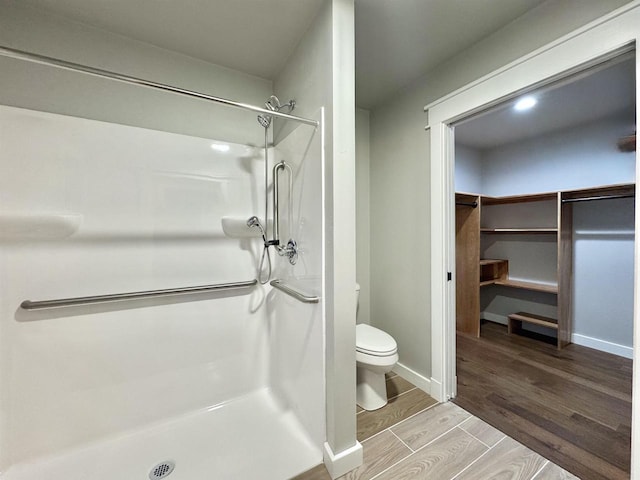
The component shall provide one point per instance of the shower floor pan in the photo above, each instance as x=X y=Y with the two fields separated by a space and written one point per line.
x=251 y=437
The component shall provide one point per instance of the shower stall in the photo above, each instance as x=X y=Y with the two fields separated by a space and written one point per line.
x=161 y=296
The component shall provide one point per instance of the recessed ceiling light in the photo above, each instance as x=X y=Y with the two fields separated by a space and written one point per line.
x=525 y=103
x=220 y=147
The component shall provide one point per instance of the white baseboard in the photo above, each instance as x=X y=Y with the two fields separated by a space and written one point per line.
x=420 y=381
x=576 y=338
x=602 y=345
x=342 y=462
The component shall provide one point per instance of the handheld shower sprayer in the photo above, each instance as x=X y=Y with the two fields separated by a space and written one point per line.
x=255 y=222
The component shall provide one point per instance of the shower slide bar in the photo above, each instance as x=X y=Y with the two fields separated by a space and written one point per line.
x=294 y=293
x=76 y=67
x=69 y=302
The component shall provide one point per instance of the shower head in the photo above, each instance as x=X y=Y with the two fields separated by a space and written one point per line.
x=264 y=120
x=274 y=105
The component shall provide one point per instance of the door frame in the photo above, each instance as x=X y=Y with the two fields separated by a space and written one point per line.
x=588 y=46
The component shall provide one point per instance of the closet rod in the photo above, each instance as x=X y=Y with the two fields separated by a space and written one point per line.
x=468 y=204
x=68 y=302
x=76 y=67
x=602 y=197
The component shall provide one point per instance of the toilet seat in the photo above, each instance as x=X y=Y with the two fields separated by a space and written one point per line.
x=375 y=342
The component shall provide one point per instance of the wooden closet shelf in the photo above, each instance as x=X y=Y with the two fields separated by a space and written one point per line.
x=490 y=261
x=530 y=318
x=537 y=287
x=519 y=230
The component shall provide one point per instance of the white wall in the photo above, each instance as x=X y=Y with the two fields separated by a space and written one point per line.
x=363 y=228
x=296 y=328
x=579 y=157
x=400 y=175
x=468 y=170
x=320 y=73
x=147 y=207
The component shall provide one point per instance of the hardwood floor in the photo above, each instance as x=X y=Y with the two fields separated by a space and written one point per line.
x=414 y=438
x=572 y=406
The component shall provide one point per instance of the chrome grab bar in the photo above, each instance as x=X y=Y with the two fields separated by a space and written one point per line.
x=294 y=293
x=68 y=302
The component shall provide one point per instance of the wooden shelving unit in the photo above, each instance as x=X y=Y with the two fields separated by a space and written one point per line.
x=557 y=220
x=517 y=319
x=536 y=287
x=496 y=272
x=520 y=230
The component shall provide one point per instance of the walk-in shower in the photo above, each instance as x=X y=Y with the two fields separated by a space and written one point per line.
x=138 y=335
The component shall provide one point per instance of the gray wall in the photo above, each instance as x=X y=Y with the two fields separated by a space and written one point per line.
x=468 y=170
x=400 y=232
x=603 y=272
x=363 y=224
x=578 y=157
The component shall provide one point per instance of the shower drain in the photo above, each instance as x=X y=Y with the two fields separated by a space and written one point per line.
x=162 y=470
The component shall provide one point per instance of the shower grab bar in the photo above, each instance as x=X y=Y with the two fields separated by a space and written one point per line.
x=276 y=194
x=294 y=293
x=68 y=302
x=98 y=72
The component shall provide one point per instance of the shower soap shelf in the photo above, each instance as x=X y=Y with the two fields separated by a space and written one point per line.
x=236 y=227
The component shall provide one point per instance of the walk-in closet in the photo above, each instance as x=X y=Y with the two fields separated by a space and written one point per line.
x=544 y=211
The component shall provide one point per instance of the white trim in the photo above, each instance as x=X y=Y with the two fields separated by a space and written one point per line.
x=572 y=53
x=602 y=345
x=343 y=462
x=420 y=381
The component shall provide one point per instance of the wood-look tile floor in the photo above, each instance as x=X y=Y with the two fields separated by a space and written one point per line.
x=414 y=437
x=572 y=406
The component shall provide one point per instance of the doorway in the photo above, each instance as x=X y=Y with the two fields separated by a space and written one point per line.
x=544 y=268
x=584 y=49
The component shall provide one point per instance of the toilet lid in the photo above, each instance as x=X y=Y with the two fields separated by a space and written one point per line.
x=373 y=341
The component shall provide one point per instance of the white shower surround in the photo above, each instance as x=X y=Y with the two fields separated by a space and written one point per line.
x=150 y=205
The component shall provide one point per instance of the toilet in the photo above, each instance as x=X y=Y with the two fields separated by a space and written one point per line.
x=376 y=354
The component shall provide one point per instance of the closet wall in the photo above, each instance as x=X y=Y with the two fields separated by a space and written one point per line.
x=579 y=157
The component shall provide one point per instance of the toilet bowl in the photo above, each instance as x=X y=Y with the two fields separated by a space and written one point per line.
x=376 y=354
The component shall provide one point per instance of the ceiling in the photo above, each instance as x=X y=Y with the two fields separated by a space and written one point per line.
x=397 y=41
x=604 y=92
x=252 y=36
